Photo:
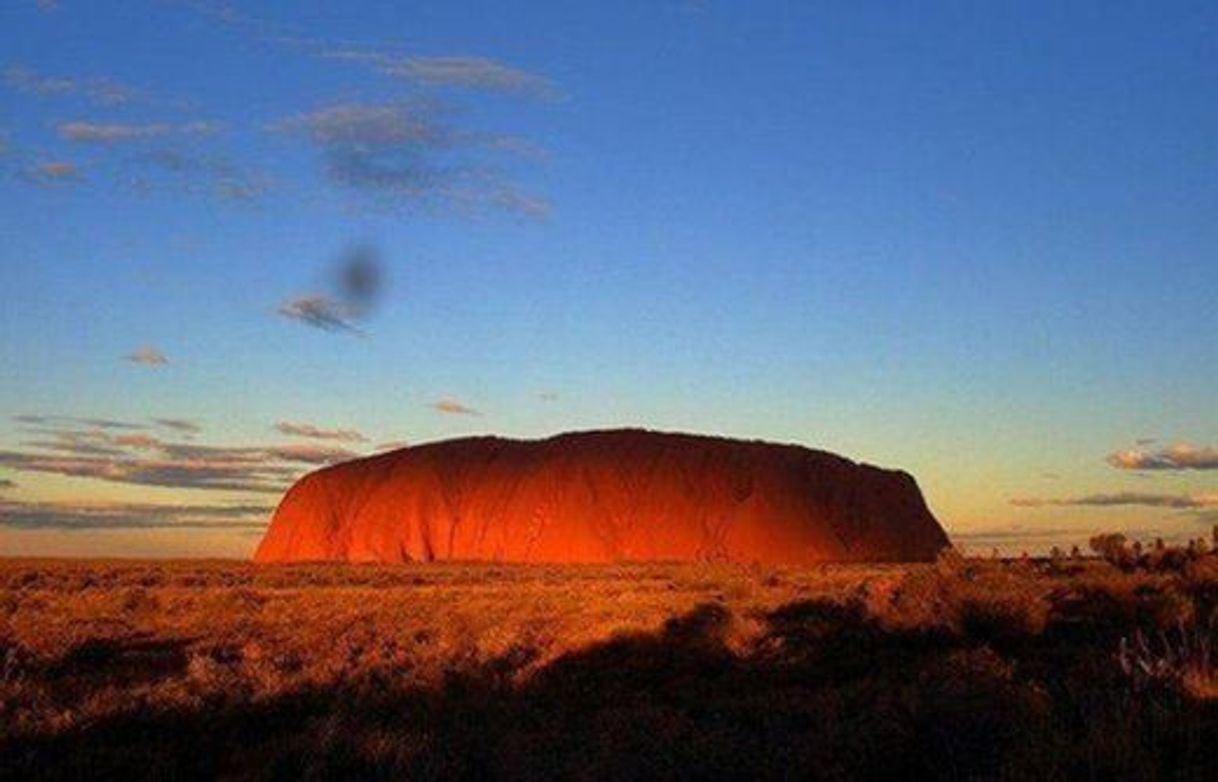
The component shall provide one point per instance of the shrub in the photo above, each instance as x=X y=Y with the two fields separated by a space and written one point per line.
x=1181 y=659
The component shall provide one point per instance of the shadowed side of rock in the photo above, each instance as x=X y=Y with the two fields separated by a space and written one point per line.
x=603 y=497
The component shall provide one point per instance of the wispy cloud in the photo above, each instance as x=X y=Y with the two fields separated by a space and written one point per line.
x=305 y=453
x=481 y=73
x=183 y=425
x=178 y=424
x=231 y=475
x=194 y=173
x=147 y=355
x=522 y=204
x=139 y=440
x=152 y=157
x=228 y=15
x=97 y=90
x=1144 y=499
x=58 y=169
x=80 y=442
x=408 y=154
x=464 y=71
x=121 y=453
x=68 y=420
x=414 y=123
x=256 y=469
x=1181 y=456
x=88 y=132
x=310 y=453
x=84 y=515
x=475 y=72
x=319 y=311
x=54 y=171
x=451 y=406
x=47 y=6
x=297 y=429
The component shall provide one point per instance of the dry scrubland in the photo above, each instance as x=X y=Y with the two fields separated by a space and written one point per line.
x=965 y=669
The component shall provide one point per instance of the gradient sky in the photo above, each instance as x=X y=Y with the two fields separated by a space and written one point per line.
x=972 y=240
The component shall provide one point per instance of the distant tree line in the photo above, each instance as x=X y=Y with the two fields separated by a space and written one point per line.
x=1121 y=552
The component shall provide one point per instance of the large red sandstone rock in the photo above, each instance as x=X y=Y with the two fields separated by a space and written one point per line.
x=603 y=497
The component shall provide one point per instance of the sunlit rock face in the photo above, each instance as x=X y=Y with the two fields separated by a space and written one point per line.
x=603 y=497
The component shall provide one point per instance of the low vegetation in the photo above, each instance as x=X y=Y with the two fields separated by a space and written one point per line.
x=1061 y=668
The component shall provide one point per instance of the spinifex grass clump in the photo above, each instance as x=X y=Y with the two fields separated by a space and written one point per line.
x=1180 y=658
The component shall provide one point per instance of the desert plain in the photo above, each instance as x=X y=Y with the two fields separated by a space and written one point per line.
x=966 y=668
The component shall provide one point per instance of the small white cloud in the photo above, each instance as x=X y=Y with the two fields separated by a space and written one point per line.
x=311 y=453
x=1181 y=456
x=471 y=72
x=296 y=429
x=474 y=72
x=56 y=171
x=451 y=406
x=318 y=311
x=147 y=355
x=178 y=424
x=139 y=441
x=114 y=133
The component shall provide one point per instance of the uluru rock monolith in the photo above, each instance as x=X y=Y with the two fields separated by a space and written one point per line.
x=605 y=496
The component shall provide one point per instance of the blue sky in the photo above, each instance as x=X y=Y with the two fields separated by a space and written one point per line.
x=972 y=240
